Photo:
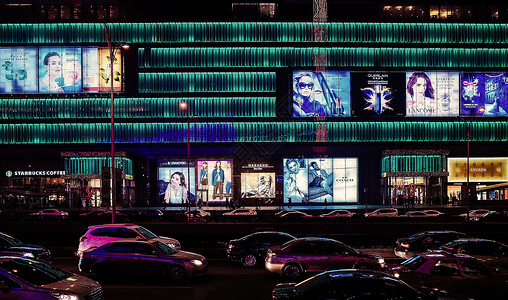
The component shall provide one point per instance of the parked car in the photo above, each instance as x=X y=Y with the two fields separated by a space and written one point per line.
x=494 y=216
x=241 y=213
x=98 y=235
x=11 y=244
x=141 y=258
x=475 y=213
x=283 y=211
x=416 y=214
x=492 y=253
x=22 y=278
x=456 y=273
x=350 y=284
x=198 y=215
x=50 y=213
x=338 y=213
x=251 y=249
x=295 y=215
x=424 y=241
x=150 y=215
x=103 y=215
x=383 y=212
x=433 y=212
x=314 y=255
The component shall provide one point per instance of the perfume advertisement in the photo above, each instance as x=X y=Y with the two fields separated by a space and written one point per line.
x=484 y=94
x=325 y=93
x=176 y=180
x=105 y=71
x=432 y=94
x=316 y=180
x=378 y=93
x=18 y=73
x=215 y=183
x=60 y=70
x=91 y=70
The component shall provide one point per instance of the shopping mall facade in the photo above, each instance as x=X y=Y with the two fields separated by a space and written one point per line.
x=342 y=112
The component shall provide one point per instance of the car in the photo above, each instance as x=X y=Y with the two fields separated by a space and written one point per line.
x=50 y=213
x=295 y=215
x=283 y=211
x=23 y=278
x=103 y=215
x=456 y=273
x=433 y=212
x=490 y=252
x=424 y=241
x=415 y=214
x=98 y=235
x=338 y=213
x=241 y=212
x=252 y=248
x=314 y=255
x=11 y=244
x=475 y=213
x=141 y=258
x=493 y=216
x=350 y=284
x=198 y=215
x=383 y=212
x=150 y=214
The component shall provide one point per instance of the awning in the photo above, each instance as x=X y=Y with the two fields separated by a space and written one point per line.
x=492 y=187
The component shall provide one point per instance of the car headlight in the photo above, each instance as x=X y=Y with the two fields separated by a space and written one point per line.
x=28 y=254
x=381 y=261
x=61 y=296
x=196 y=262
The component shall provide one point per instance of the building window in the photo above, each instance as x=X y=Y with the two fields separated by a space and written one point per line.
x=254 y=10
x=53 y=12
x=434 y=12
x=114 y=12
x=102 y=12
x=65 y=12
x=76 y=11
x=494 y=12
x=267 y=10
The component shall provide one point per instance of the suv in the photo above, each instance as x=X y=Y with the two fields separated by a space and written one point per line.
x=424 y=241
x=99 y=235
x=383 y=212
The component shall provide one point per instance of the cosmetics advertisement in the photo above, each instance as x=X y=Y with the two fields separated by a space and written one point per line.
x=18 y=73
x=324 y=93
x=378 y=93
x=432 y=94
x=484 y=94
x=60 y=70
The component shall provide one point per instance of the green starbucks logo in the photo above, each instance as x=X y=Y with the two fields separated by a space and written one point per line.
x=8 y=173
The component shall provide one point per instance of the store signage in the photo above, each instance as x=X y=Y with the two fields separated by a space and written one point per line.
x=480 y=169
x=257 y=166
x=34 y=173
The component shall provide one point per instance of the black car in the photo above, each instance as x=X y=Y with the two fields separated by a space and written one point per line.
x=349 y=284
x=252 y=248
x=11 y=244
x=424 y=241
x=150 y=215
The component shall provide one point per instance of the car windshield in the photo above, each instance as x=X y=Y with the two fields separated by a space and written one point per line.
x=415 y=262
x=453 y=244
x=35 y=272
x=146 y=233
x=165 y=248
x=10 y=240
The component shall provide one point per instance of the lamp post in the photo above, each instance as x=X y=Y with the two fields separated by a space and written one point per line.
x=112 y=51
x=468 y=136
x=185 y=107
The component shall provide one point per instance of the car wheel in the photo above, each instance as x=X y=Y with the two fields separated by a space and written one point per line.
x=250 y=260
x=292 y=271
x=176 y=273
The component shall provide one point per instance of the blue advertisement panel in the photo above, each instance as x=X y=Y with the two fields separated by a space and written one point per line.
x=60 y=70
x=316 y=180
x=175 y=181
x=325 y=93
x=378 y=93
x=432 y=94
x=18 y=73
x=484 y=94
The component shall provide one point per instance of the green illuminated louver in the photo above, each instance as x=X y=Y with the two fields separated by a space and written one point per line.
x=248 y=32
x=413 y=164
x=206 y=82
x=93 y=165
x=291 y=132
x=134 y=108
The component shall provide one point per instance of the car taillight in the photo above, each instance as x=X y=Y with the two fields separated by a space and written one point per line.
x=270 y=254
x=405 y=245
x=82 y=238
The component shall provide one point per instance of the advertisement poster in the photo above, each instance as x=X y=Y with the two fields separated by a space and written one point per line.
x=215 y=183
x=484 y=94
x=60 y=70
x=324 y=93
x=432 y=94
x=258 y=185
x=91 y=70
x=18 y=73
x=488 y=169
x=105 y=71
x=378 y=93
x=317 y=180
x=175 y=183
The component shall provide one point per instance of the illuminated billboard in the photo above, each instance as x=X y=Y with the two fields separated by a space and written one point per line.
x=318 y=179
x=59 y=70
x=215 y=183
x=378 y=93
x=432 y=94
x=175 y=181
x=490 y=169
x=484 y=94
x=325 y=93
x=258 y=185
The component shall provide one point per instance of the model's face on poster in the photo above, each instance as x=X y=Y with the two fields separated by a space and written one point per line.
x=306 y=86
x=420 y=87
x=54 y=66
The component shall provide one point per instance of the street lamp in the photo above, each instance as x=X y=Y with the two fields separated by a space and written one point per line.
x=468 y=134
x=112 y=53
x=185 y=107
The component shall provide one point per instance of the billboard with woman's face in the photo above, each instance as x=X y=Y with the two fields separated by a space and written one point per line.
x=334 y=180
x=325 y=93
x=176 y=180
x=60 y=70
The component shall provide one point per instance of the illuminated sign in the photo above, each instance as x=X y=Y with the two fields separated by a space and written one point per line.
x=314 y=180
x=29 y=173
x=484 y=94
x=480 y=169
x=258 y=185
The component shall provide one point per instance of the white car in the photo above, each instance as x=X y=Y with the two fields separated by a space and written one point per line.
x=241 y=212
x=476 y=213
x=50 y=213
x=383 y=212
x=338 y=213
x=433 y=213
x=99 y=235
